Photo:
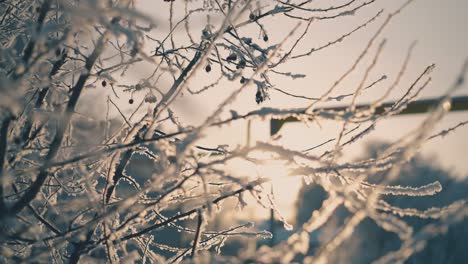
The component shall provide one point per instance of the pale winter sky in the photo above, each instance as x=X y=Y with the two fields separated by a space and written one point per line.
x=439 y=27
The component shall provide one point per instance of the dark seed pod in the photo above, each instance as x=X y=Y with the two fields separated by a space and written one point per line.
x=57 y=52
x=232 y=57
x=258 y=97
x=241 y=64
x=265 y=38
x=150 y=98
x=252 y=16
x=104 y=83
x=208 y=68
x=130 y=101
x=242 y=80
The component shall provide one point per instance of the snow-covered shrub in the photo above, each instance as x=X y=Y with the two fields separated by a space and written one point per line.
x=116 y=176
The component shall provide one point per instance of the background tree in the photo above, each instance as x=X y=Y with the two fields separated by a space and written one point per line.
x=369 y=241
x=76 y=185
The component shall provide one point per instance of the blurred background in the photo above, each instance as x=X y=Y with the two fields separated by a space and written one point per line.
x=439 y=27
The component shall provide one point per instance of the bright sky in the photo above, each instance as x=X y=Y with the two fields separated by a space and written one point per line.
x=438 y=26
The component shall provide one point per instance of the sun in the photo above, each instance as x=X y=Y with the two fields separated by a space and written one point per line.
x=284 y=186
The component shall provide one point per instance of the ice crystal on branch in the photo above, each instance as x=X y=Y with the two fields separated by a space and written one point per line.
x=99 y=163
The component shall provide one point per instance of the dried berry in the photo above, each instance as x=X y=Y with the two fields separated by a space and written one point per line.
x=208 y=68
x=259 y=97
x=265 y=38
x=104 y=83
x=252 y=16
x=232 y=57
x=150 y=98
x=242 y=80
x=130 y=101
x=241 y=64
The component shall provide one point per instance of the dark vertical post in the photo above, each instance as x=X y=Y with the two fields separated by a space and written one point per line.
x=272 y=222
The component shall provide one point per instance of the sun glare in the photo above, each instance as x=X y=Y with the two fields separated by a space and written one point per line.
x=285 y=187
